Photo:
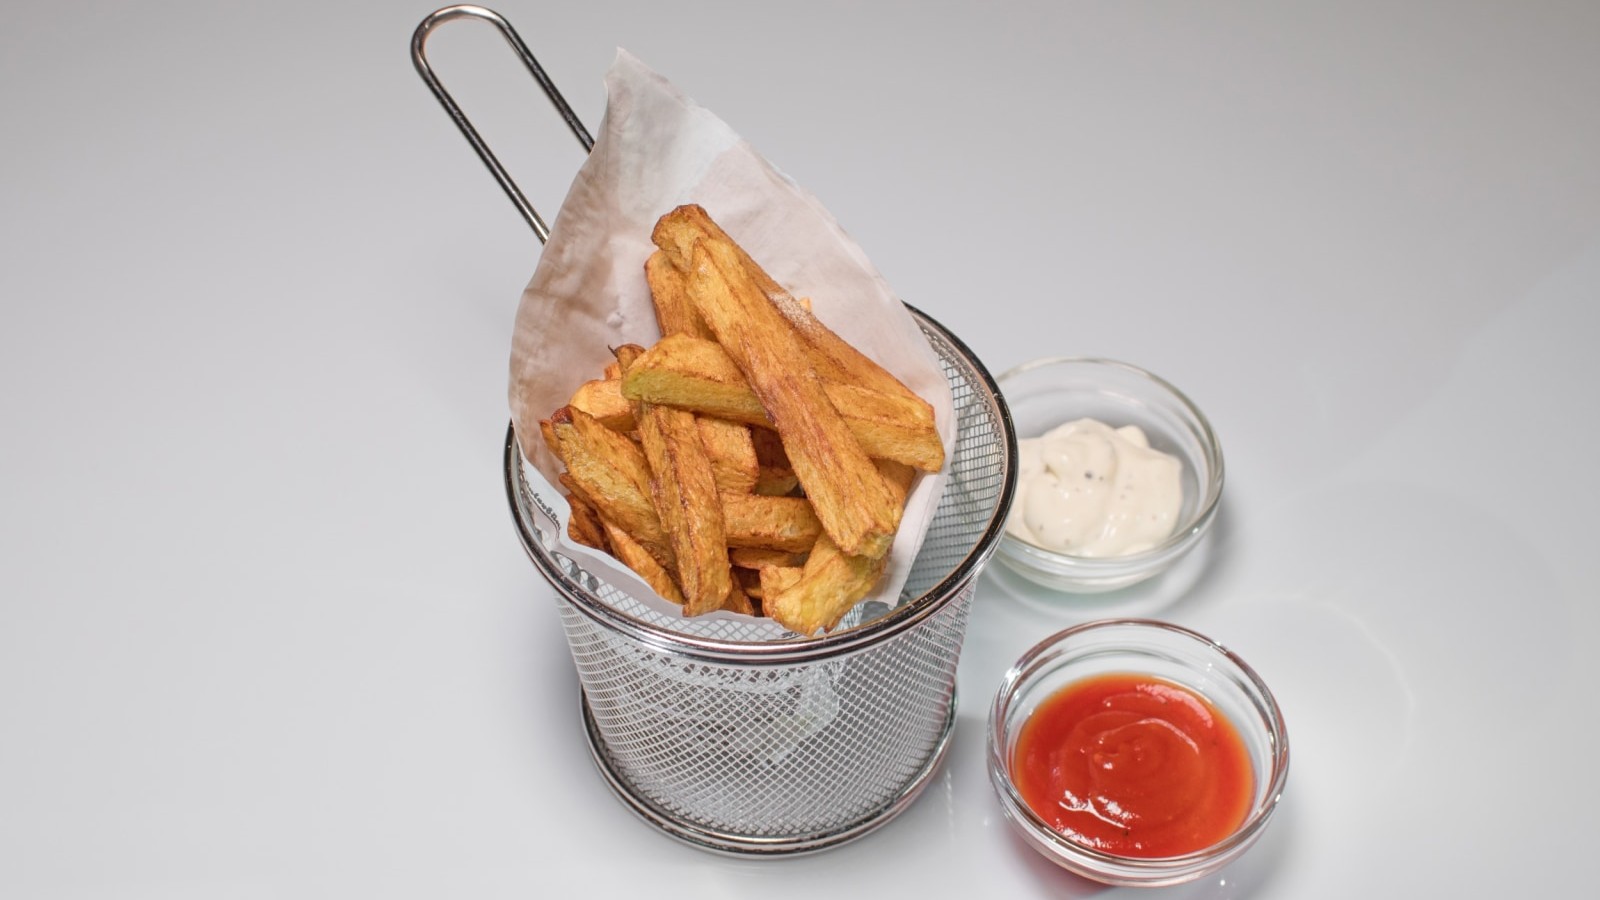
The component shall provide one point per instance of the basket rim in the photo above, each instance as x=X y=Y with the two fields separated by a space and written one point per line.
x=808 y=649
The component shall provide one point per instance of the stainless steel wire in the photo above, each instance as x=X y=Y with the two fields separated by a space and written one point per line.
x=729 y=733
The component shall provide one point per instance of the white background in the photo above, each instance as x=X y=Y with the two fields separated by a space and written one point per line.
x=266 y=629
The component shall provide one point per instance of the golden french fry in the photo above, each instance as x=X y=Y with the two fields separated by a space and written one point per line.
x=674 y=312
x=775 y=580
x=575 y=490
x=833 y=357
x=854 y=505
x=732 y=454
x=888 y=426
x=695 y=374
x=626 y=354
x=763 y=557
x=737 y=600
x=832 y=581
x=685 y=494
x=612 y=473
x=603 y=400
x=584 y=525
x=776 y=482
x=746 y=398
x=749 y=581
x=689 y=373
x=634 y=555
x=772 y=523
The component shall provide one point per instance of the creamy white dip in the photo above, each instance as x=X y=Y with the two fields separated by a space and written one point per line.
x=1087 y=489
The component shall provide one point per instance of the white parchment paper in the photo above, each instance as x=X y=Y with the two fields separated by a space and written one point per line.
x=657 y=149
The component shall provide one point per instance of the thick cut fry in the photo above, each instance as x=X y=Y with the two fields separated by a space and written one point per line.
x=832 y=581
x=775 y=580
x=694 y=374
x=776 y=482
x=674 y=312
x=888 y=426
x=612 y=473
x=773 y=523
x=775 y=477
x=603 y=400
x=833 y=357
x=631 y=554
x=675 y=458
x=762 y=557
x=701 y=376
x=732 y=454
x=854 y=505
x=626 y=354
x=584 y=525
x=575 y=489
x=685 y=495
x=737 y=600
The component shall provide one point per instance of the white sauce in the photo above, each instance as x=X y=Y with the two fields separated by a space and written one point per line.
x=1087 y=489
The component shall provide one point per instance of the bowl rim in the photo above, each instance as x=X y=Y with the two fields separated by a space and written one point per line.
x=1098 y=864
x=1184 y=534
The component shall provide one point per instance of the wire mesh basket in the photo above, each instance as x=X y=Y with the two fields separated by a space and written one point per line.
x=731 y=737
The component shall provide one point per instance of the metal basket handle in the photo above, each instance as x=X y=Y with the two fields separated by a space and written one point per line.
x=419 y=58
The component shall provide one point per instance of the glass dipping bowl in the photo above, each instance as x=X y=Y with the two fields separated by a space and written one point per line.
x=1143 y=647
x=1049 y=392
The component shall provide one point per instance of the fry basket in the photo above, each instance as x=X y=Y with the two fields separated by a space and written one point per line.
x=710 y=728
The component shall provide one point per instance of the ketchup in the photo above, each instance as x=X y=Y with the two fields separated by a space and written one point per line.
x=1134 y=765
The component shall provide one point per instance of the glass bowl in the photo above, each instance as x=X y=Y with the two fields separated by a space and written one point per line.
x=1141 y=647
x=1049 y=392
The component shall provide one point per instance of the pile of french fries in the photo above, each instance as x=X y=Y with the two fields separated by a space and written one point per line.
x=751 y=460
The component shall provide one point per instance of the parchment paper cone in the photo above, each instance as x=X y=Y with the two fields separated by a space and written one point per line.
x=657 y=149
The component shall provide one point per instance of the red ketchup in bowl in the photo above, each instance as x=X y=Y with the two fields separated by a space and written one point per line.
x=1134 y=765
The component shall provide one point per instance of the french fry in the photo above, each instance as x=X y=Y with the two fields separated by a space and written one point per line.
x=888 y=426
x=762 y=557
x=613 y=474
x=584 y=525
x=674 y=312
x=774 y=482
x=732 y=453
x=749 y=581
x=634 y=555
x=626 y=354
x=689 y=373
x=737 y=600
x=855 y=506
x=575 y=489
x=750 y=460
x=602 y=399
x=775 y=580
x=772 y=523
x=833 y=357
x=685 y=495
x=832 y=581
